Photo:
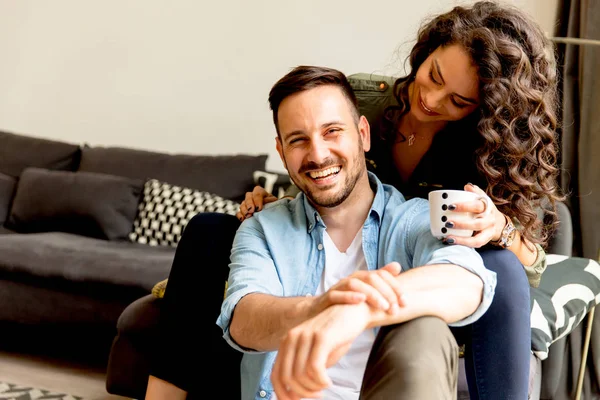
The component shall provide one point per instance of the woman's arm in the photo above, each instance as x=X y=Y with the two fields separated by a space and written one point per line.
x=525 y=251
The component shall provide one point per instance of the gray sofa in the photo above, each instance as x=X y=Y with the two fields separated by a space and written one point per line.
x=68 y=264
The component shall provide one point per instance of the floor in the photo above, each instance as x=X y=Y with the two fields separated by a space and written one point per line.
x=61 y=376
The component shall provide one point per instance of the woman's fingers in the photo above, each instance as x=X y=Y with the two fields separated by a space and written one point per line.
x=257 y=197
x=475 y=207
x=469 y=187
x=473 y=224
x=479 y=206
x=261 y=197
x=254 y=201
x=247 y=206
x=480 y=239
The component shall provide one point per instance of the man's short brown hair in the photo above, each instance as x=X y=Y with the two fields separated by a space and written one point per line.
x=305 y=77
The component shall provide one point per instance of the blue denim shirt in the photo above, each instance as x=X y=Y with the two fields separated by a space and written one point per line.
x=279 y=252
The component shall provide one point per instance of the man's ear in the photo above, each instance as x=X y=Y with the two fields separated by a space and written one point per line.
x=364 y=132
x=279 y=148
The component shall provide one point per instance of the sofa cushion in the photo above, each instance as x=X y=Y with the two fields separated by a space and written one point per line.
x=18 y=152
x=569 y=288
x=7 y=190
x=63 y=257
x=166 y=209
x=229 y=176
x=89 y=204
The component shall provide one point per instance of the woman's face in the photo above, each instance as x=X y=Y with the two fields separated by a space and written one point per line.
x=446 y=87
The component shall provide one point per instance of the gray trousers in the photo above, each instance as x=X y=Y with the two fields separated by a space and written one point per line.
x=417 y=359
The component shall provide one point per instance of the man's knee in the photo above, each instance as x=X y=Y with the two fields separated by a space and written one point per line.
x=416 y=358
x=422 y=342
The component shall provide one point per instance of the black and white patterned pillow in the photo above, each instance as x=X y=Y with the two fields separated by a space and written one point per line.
x=166 y=209
x=273 y=182
x=570 y=286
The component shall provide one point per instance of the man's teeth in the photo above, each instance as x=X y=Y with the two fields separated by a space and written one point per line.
x=324 y=173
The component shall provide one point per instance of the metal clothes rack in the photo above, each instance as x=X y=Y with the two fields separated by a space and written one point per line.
x=590 y=316
x=579 y=41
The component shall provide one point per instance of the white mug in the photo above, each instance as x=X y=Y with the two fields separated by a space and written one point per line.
x=439 y=214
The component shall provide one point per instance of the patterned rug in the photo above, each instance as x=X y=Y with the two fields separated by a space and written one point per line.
x=9 y=391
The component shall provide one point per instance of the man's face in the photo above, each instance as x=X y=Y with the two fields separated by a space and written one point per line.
x=321 y=144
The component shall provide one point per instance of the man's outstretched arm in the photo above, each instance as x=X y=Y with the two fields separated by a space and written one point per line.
x=446 y=291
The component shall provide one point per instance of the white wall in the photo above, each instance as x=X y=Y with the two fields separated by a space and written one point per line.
x=188 y=76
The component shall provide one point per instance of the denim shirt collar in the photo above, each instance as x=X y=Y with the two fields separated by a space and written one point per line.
x=312 y=215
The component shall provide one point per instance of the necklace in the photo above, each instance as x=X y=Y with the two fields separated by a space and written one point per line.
x=411 y=139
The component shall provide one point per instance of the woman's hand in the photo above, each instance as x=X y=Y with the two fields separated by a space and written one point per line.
x=254 y=202
x=487 y=225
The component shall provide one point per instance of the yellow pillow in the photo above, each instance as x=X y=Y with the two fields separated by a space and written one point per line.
x=158 y=290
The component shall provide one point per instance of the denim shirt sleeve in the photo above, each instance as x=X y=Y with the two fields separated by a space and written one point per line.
x=429 y=251
x=251 y=271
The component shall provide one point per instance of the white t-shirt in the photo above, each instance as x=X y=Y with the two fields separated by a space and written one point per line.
x=348 y=373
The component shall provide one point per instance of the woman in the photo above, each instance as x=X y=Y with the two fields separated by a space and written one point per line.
x=477 y=106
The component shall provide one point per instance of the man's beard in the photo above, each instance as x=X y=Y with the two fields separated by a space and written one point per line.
x=327 y=200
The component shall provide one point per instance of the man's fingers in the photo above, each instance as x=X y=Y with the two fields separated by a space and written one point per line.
x=395 y=298
x=386 y=285
x=286 y=355
x=374 y=297
x=336 y=354
x=393 y=268
x=380 y=288
x=317 y=360
x=278 y=386
x=304 y=383
x=346 y=297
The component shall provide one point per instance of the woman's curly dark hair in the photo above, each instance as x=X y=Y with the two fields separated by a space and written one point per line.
x=516 y=117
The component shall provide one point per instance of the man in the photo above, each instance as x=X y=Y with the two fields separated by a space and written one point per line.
x=316 y=299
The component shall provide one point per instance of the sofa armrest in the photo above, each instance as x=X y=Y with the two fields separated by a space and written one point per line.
x=141 y=316
x=562 y=240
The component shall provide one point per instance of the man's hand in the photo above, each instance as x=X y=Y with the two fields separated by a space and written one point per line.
x=379 y=289
x=305 y=353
